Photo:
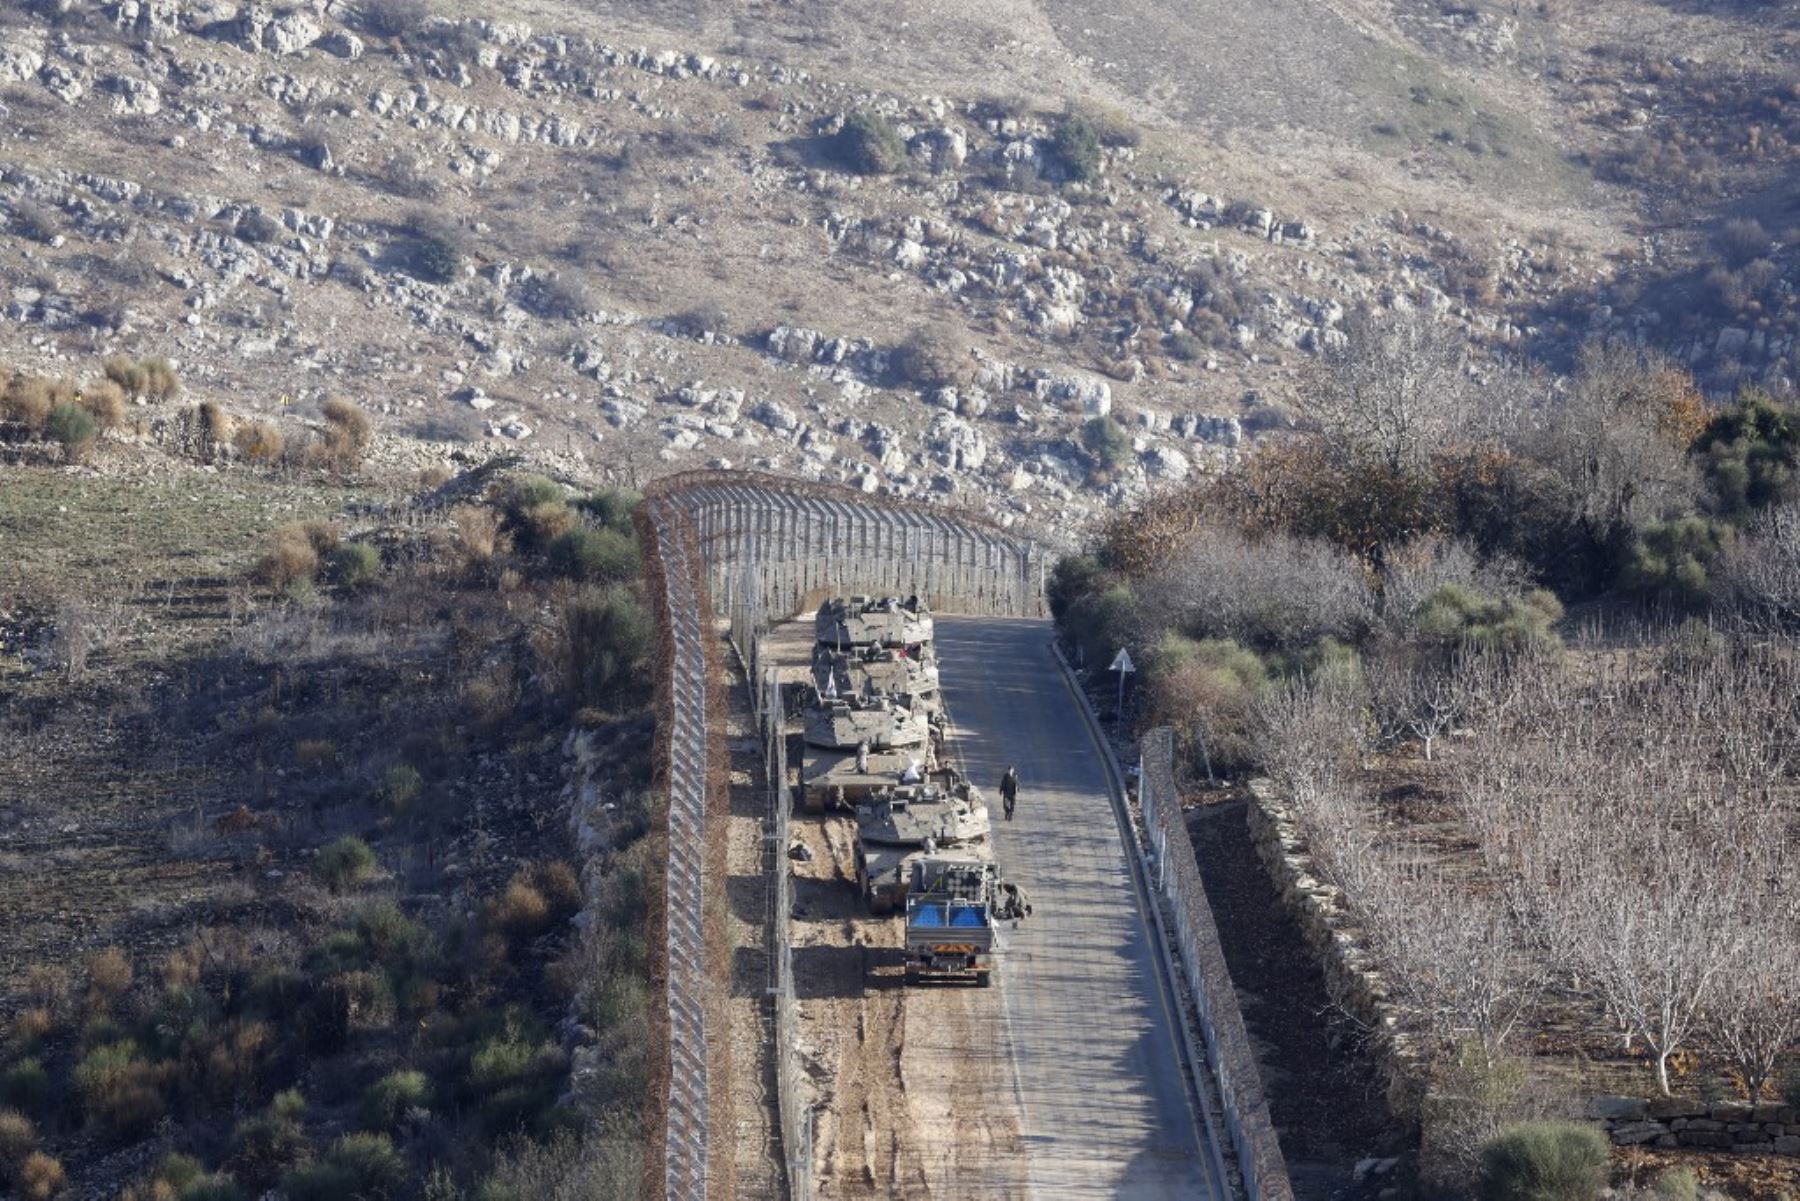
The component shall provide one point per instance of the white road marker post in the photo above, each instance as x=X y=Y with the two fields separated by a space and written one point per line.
x=1123 y=665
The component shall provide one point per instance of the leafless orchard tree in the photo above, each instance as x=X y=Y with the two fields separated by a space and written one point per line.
x=1453 y=950
x=1629 y=814
x=1393 y=392
x=1754 y=1010
x=1411 y=695
x=1761 y=571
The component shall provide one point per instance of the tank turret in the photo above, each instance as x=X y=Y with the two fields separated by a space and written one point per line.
x=855 y=621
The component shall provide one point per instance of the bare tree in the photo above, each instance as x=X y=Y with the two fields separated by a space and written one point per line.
x=1393 y=392
x=1628 y=812
x=1453 y=950
x=1411 y=694
x=1760 y=572
x=1754 y=1010
x=1274 y=591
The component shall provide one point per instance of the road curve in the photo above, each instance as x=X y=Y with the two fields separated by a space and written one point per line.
x=1104 y=1108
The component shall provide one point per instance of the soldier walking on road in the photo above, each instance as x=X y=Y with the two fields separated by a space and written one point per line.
x=1009 y=790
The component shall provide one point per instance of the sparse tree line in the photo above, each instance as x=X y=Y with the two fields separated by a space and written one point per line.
x=1591 y=824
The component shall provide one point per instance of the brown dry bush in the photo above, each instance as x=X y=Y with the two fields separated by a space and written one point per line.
x=295 y=552
x=47 y=984
x=181 y=968
x=478 y=535
x=537 y=898
x=105 y=403
x=290 y=559
x=40 y=1177
x=932 y=359
x=314 y=755
x=109 y=976
x=259 y=442
x=121 y=1091
x=18 y=1135
x=346 y=434
x=28 y=400
x=32 y=1024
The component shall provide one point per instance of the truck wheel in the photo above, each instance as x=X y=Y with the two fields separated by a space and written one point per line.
x=985 y=980
x=912 y=975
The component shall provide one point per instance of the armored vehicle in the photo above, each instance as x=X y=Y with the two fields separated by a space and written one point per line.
x=880 y=670
x=846 y=622
x=857 y=746
x=953 y=901
x=905 y=823
x=880 y=723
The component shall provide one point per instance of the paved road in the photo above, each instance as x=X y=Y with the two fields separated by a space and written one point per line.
x=1103 y=1104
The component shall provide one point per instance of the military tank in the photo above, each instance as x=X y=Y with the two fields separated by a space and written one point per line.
x=880 y=723
x=846 y=622
x=856 y=746
x=902 y=825
x=881 y=671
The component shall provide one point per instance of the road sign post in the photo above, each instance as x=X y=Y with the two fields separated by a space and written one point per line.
x=1123 y=665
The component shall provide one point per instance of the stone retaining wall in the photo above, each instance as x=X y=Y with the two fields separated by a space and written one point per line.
x=1351 y=978
x=1702 y=1126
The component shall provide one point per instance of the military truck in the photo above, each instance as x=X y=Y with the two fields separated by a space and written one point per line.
x=856 y=747
x=953 y=903
x=901 y=824
x=880 y=671
x=844 y=623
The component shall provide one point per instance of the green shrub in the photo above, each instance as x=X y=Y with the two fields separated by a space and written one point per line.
x=345 y=863
x=613 y=508
x=514 y=1077
x=216 y=1186
x=119 y=1090
x=1544 y=1161
x=264 y=1146
x=401 y=786
x=354 y=565
x=594 y=556
x=1073 y=577
x=1676 y=1184
x=389 y=1098
x=72 y=427
x=359 y=1167
x=607 y=634
x=1748 y=453
x=26 y=1086
x=1076 y=146
x=1209 y=687
x=1108 y=443
x=1672 y=560
x=178 y=1170
x=869 y=144
x=434 y=249
x=1456 y=616
x=392 y=939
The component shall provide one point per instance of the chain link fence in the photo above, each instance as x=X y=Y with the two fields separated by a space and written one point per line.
x=760 y=549
x=1176 y=875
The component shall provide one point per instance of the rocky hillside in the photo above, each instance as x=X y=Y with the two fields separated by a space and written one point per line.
x=628 y=238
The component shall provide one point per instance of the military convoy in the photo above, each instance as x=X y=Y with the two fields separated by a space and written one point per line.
x=874 y=738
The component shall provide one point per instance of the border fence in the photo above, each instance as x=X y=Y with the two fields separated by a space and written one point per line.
x=756 y=549
x=1176 y=875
